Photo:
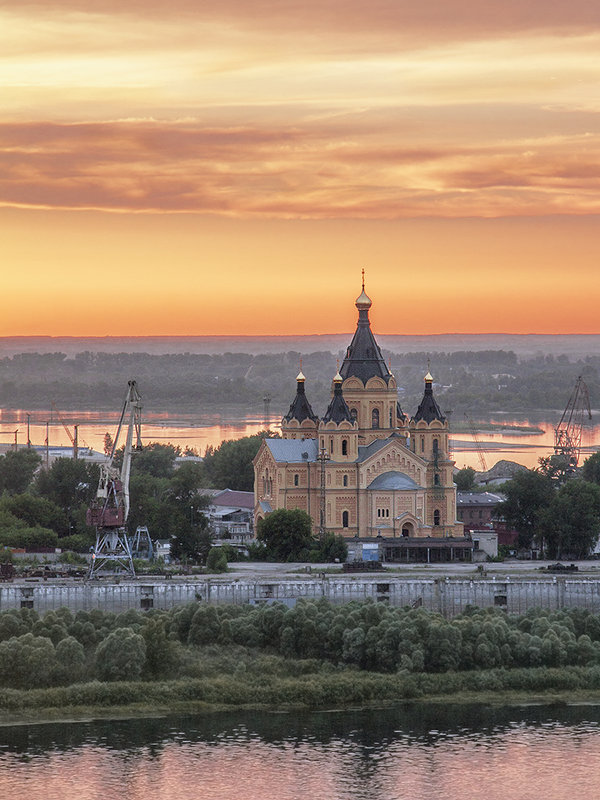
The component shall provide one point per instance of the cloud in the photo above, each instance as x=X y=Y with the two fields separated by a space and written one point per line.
x=434 y=18
x=314 y=172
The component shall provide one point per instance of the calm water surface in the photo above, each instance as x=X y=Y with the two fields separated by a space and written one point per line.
x=200 y=431
x=420 y=753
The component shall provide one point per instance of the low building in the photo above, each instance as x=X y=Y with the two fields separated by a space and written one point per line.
x=478 y=511
x=231 y=516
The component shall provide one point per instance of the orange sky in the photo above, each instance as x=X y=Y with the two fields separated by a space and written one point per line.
x=229 y=166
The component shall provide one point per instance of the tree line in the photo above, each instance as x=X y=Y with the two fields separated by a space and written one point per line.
x=65 y=648
x=477 y=381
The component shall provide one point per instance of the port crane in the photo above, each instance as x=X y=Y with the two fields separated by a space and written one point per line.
x=567 y=434
x=476 y=442
x=109 y=510
x=74 y=437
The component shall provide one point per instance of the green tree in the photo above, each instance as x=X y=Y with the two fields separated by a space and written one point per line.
x=287 y=535
x=465 y=479
x=528 y=495
x=591 y=469
x=121 y=656
x=34 y=511
x=68 y=483
x=331 y=548
x=229 y=466
x=557 y=467
x=17 y=468
x=161 y=652
x=192 y=543
x=155 y=459
x=70 y=661
x=571 y=524
x=216 y=561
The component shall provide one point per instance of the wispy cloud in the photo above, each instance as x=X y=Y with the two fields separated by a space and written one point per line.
x=316 y=172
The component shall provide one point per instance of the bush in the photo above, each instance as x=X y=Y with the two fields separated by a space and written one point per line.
x=216 y=560
x=121 y=656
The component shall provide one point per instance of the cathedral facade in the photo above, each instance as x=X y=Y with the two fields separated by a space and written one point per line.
x=364 y=469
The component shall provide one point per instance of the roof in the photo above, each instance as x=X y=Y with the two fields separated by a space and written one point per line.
x=428 y=408
x=366 y=451
x=393 y=480
x=363 y=358
x=337 y=410
x=300 y=408
x=478 y=499
x=293 y=450
x=225 y=511
x=232 y=498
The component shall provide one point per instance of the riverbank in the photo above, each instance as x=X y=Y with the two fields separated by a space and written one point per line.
x=323 y=688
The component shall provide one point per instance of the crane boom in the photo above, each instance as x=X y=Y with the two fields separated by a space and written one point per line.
x=567 y=434
x=73 y=437
x=476 y=442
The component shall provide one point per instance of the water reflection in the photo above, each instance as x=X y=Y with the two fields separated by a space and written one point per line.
x=421 y=751
x=200 y=431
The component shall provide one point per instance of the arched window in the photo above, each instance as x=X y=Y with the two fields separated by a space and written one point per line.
x=375 y=418
x=354 y=414
x=296 y=480
x=436 y=479
x=344 y=447
x=436 y=517
x=344 y=519
x=345 y=480
x=436 y=445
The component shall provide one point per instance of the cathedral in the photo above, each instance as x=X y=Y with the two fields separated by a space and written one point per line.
x=365 y=469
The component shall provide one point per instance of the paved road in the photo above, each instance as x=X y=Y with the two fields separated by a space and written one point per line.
x=520 y=569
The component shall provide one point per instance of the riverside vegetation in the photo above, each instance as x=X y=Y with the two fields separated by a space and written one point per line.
x=314 y=655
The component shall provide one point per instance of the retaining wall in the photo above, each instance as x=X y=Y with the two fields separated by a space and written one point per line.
x=449 y=597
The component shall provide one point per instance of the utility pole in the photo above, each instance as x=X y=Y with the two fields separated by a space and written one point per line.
x=267 y=408
x=322 y=458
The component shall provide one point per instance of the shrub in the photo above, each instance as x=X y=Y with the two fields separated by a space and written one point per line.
x=216 y=560
x=121 y=656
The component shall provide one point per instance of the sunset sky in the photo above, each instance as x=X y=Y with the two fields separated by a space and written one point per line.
x=229 y=166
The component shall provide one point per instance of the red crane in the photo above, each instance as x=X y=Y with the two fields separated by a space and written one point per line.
x=109 y=511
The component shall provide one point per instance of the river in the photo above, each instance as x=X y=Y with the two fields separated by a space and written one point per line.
x=421 y=752
x=200 y=431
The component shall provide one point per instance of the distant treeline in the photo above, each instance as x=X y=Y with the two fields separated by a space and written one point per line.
x=480 y=381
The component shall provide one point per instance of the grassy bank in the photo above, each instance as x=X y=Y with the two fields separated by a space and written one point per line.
x=318 y=688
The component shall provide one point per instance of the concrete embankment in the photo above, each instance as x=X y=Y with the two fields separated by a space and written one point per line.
x=447 y=596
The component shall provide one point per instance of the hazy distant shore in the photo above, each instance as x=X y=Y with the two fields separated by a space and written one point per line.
x=522 y=344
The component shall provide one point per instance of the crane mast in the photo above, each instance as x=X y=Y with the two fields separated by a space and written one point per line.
x=567 y=434
x=109 y=511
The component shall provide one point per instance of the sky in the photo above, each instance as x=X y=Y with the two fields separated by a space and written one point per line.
x=230 y=166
